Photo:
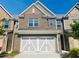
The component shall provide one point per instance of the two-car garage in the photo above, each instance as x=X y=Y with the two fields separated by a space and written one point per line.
x=38 y=44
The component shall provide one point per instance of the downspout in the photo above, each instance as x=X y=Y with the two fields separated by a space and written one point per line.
x=63 y=34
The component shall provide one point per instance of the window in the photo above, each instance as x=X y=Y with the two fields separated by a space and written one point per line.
x=5 y=23
x=33 y=10
x=59 y=24
x=51 y=22
x=33 y=22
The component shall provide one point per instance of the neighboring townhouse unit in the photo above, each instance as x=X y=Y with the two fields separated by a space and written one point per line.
x=39 y=30
x=7 y=26
x=73 y=15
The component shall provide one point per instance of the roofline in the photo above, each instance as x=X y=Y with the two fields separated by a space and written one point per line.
x=71 y=9
x=40 y=9
x=34 y=4
x=45 y=7
x=6 y=11
x=26 y=9
x=30 y=7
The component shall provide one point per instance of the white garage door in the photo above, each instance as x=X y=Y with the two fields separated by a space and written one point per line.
x=38 y=44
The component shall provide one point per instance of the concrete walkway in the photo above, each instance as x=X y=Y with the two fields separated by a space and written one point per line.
x=37 y=55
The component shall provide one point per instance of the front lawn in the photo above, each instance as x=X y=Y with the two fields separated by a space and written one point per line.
x=8 y=55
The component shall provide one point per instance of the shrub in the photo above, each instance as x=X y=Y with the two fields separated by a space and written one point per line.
x=3 y=54
x=74 y=53
x=65 y=55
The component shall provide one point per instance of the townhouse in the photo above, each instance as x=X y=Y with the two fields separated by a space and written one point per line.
x=38 y=29
x=7 y=26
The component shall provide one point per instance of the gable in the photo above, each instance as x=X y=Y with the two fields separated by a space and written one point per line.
x=37 y=10
x=4 y=13
x=41 y=8
x=74 y=14
x=71 y=9
x=44 y=8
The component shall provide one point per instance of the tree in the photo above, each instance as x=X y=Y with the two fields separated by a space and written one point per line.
x=75 y=29
x=2 y=31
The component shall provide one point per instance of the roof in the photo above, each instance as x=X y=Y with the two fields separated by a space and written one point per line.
x=38 y=32
x=59 y=16
x=38 y=8
x=45 y=7
x=6 y=10
x=76 y=5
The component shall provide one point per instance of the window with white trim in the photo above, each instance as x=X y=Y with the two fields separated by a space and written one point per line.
x=5 y=23
x=33 y=22
x=51 y=22
x=59 y=24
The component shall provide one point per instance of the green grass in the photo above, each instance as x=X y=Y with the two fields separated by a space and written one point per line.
x=13 y=53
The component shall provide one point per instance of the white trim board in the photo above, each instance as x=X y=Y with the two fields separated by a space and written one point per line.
x=45 y=7
x=30 y=7
x=40 y=9
x=6 y=10
x=71 y=9
x=26 y=9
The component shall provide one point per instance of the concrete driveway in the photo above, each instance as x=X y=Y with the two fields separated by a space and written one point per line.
x=37 y=55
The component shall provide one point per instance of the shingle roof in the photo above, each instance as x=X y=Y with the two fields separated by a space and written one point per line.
x=77 y=6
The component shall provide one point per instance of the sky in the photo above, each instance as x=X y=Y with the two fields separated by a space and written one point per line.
x=56 y=6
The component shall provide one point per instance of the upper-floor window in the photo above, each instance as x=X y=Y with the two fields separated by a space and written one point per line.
x=33 y=22
x=59 y=24
x=33 y=10
x=51 y=22
x=5 y=23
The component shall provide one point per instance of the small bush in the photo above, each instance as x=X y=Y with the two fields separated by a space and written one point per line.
x=3 y=54
x=65 y=55
x=74 y=53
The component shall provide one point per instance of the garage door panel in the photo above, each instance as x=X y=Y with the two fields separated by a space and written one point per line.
x=36 y=43
x=29 y=45
x=41 y=44
x=23 y=45
x=33 y=44
x=47 y=46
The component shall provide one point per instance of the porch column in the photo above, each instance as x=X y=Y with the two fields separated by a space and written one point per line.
x=58 y=43
x=14 y=28
x=6 y=38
